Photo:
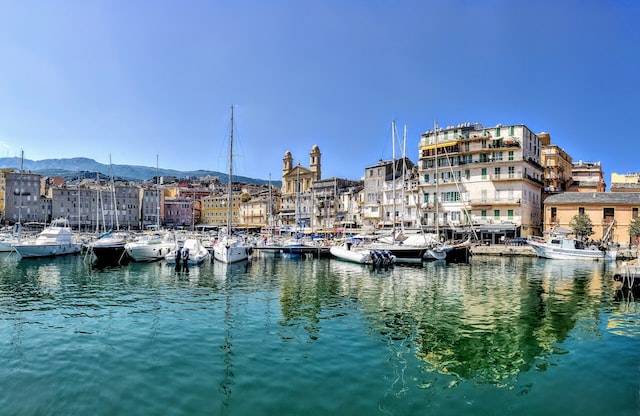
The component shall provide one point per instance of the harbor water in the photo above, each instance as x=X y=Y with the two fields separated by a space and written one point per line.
x=498 y=336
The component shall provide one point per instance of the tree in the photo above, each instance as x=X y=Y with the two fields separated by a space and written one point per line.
x=634 y=228
x=581 y=225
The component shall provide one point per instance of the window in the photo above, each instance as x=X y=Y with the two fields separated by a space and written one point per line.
x=510 y=154
x=554 y=214
x=496 y=214
x=496 y=172
x=512 y=172
x=609 y=214
x=467 y=174
x=484 y=173
x=581 y=210
x=497 y=131
x=634 y=213
x=483 y=214
x=510 y=214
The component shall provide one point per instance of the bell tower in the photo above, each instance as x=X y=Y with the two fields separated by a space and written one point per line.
x=314 y=162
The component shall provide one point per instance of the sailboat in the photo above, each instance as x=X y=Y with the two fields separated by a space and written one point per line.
x=230 y=249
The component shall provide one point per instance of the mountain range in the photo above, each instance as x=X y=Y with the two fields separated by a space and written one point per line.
x=71 y=168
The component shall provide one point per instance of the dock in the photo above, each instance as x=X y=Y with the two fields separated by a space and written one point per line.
x=316 y=252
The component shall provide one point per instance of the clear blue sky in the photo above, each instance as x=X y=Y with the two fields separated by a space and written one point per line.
x=138 y=79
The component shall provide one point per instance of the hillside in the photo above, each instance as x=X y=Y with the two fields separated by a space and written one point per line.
x=71 y=168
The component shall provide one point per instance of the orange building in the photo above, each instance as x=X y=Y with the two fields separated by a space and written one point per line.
x=600 y=207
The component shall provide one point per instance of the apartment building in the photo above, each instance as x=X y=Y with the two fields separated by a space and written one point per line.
x=390 y=195
x=485 y=178
x=587 y=177
x=558 y=166
x=259 y=208
x=215 y=209
x=97 y=206
x=21 y=199
x=330 y=211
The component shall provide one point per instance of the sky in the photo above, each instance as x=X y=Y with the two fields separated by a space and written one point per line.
x=153 y=82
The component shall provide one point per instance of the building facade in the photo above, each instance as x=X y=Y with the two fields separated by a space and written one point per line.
x=601 y=207
x=21 y=197
x=587 y=177
x=488 y=179
x=557 y=165
x=296 y=197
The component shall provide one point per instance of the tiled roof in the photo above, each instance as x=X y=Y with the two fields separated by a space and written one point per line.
x=614 y=198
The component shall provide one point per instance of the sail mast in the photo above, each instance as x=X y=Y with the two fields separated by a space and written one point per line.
x=230 y=175
x=435 y=199
x=393 y=182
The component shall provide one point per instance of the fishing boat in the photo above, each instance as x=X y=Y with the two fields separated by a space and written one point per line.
x=568 y=248
x=55 y=240
x=230 y=248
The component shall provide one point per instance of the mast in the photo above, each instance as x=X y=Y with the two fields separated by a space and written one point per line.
x=298 y=203
x=435 y=199
x=113 y=196
x=404 y=174
x=229 y=180
x=393 y=182
x=157 y=196
x=21 y=185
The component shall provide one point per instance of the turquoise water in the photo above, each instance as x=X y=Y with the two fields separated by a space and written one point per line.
x=315 y=337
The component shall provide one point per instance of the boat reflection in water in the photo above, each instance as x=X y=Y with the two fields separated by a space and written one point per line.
x=486 y=322
x=500 y=335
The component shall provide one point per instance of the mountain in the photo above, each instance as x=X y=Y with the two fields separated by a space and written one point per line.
x=72 y=167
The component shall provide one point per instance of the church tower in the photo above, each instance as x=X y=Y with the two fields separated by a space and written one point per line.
x=314 y=162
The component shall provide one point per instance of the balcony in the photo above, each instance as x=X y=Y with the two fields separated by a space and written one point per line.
x=492 y=202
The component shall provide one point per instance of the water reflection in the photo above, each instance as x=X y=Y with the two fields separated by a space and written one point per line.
x=487 y=321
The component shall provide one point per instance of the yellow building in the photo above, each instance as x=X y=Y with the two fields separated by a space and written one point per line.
x=557 y=165
x=215 y=209
x=600 y=207
x=629 y=182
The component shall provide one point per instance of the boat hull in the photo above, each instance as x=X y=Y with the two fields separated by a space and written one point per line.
x=550 y=251
x=47 y=250
x=353 y=256
x=148 y=253
x=231 y=252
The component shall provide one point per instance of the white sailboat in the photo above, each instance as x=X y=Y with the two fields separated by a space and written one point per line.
x=230 y=249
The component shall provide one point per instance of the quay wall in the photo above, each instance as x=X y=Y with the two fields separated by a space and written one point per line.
x=624 y=253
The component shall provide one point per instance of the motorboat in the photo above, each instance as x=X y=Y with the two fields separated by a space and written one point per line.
x=354 y=254
x=192 y=251
x=55 y=240
x=109 y=247
x=348 y=252
x=150 y=247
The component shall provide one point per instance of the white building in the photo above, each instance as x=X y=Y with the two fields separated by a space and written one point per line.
x=490 y=178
